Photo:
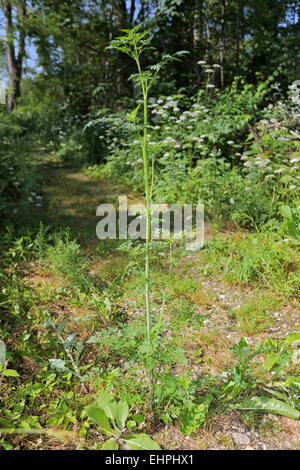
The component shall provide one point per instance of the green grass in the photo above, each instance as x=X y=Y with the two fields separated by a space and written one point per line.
x=98 y=289
x=254 y=259
x=255 y=315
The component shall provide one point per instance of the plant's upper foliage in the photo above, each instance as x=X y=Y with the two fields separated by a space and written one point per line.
x=133 y=43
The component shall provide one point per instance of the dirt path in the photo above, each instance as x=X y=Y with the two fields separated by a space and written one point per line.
x=73 y=199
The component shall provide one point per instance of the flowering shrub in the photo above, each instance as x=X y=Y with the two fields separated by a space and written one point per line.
x=207 y=150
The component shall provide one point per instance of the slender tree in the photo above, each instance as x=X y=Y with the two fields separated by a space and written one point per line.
x=238 y=35
x=14 y=59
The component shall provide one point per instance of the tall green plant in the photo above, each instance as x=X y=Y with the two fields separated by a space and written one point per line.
x=134 y=43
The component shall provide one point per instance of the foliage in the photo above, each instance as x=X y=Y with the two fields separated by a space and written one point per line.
x=111 y=417
x=195 y=415
x=221 y=127
x=264 y=258
x=18 y=185
x=200 y=154
x=240 y=383
x=291 y=225
x=72 y=348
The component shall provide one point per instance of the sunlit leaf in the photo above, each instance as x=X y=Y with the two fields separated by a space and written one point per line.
x=141 y=442
x=98 y=415
x=268 y=405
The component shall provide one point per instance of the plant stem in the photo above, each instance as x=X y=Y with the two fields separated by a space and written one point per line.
x=148 y=222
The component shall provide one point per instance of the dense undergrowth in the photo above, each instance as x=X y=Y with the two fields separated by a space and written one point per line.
x=71 y=333
x=232 y=151
x=72 y=327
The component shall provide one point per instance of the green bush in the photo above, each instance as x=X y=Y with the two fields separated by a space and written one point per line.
x=18 y=192
x=215 y=150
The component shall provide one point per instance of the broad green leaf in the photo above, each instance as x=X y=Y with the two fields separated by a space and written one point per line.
x=285 y=211
x=2 y=352
x=195 y=415
x=271 y=360
x=292 y=338
x=70 y=341
x=61 y=327
x=122 y=413
x=141 y=442
x=275 y=393
x=78 y=350
x=98 y=415
x=10 y=373
x=59 y=365
x=268 y=405
x=106 y=401
x=111 y=444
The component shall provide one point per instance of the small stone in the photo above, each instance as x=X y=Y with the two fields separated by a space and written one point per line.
x=240 y=439
x=249 y=448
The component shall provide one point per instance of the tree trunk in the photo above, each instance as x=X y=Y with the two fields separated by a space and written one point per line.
x=238 y=36
x=21 y=48
x=131 y=13
x=10 y=52
x=120 y=13
x=196 y=23
x=14 y=64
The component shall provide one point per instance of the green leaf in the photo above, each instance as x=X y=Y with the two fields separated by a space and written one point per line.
x=271 y=360
x=107 y=402
x=122 y=413
x=286 y=212
x=70 y=341
x=49 y=323
x=6 y=445
x=98 y=415
x=59 y=365
x=111 y=444
x=78 y=350
x=10 y=373
x=61 y=327
x=195 y=415
x=138 y=418
x=268 y=405
x=240 y=350
x=292 y=338
x=275 y=393
x=141 y=442
x=291 y=381
x=131 y=424
x=283 y=361
x=132 y=117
